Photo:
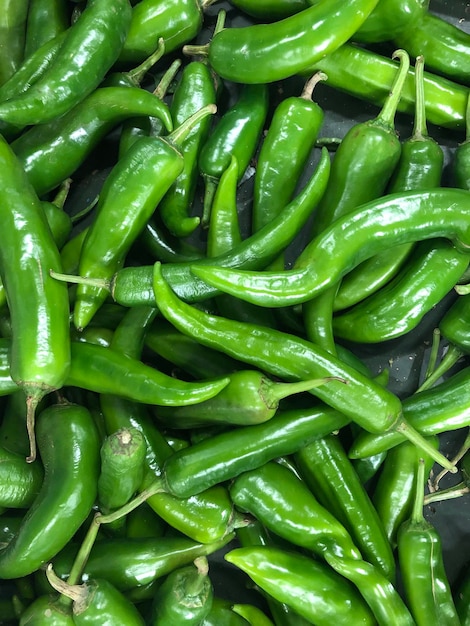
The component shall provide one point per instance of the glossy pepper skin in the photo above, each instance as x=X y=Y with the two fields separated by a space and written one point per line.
x=267 y=10
x=177 y=21
x=184 y=597
x=391 y=220
x=425 y=582
x=133 y=286
x=46 y=20
x=445 y=46
x=325 y=467
x=20 y=481
x=420 y=166
x=312 y=589
x=69 y=447
x=284 y=504
x=362 y=166
x=395 y=489
x=13 y=19
x=38 y=305
x=455 y=324
x=210 y=461
x=132 y=563
x=195 y=89
x=264 y=53
x=99 y=34
x=47 y=610
x=434 y=269
x=367 y=75
x=273 y=351
x=51 y=152
x=433 y=411
x=236 y=132
x=389 y=18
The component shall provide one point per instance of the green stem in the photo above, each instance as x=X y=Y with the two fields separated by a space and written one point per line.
x=436 y=338
x=137 y=74
x=166 y=79
x=101 y=283
x=273 y=392
x=84 y=212
x=460 y=454
x=387 y=114
x=462 y=290
x=155 y=487
x=451 y=357
x=425 y=446
x=417 y=516
x=420 y=129
x=183 y=130
x=61 y=196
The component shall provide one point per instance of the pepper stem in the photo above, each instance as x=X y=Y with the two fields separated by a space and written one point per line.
x=457 y=491
x=419 y=130
x=62 y=194
x=417 y=516
x=101 y=283
x=32 y=401
x=311 y=83
x=436 y=339
x=273 y=392
x=74 y=592
x=420 y=442
x=460 y=454
x=195 y=584
x=155 y=487
x=137 y=74
x=451 y=357
x=387 y=114
x=165 y=81
x=183 y=130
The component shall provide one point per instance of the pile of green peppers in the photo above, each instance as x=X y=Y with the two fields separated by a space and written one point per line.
x=234 y=313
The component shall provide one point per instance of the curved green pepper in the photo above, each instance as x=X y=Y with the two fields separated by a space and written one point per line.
x=69 y=448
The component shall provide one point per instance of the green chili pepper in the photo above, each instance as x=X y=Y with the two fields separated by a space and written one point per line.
x=31 y=69
x=228 y=454
x=223 y=235
x=51 y=152
x=133 y=285
x=187 y=353
x=97 y=600
x=311 y=588
x=325 y=467
x=362 y=166
x=106 y=371
x=284 y=504
x=431 y=412
x=46 y=610
x=419 y=167
x=249 y=398
x=38 y=305
x=391 y=220
x=434 y=269
x=177 y=21
x=195 y=90
x=212 y=509
x=430 y=33
x=425 y=582
x=291 y=357
x=388 y=19
x=12 y=36
x=163 y=246
x=20 y=481
x=293 y=130
x=46 y=20
x=270 y=10
x=131 y=563
x=99 y=34
x=185 y=596
x=237 y=133
x=122 y=468
x=395 y=490
x=367 y=75
x=264 y=53
x=69 y=448
x=130 y=195
x=381 y=596
x=144 y=522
